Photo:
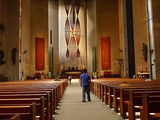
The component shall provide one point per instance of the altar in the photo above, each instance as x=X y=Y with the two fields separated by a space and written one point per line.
x=74 y=73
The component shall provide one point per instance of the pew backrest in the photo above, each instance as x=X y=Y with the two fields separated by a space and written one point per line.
x=29 y=110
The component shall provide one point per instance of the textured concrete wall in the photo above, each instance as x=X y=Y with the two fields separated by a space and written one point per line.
x=26 y=36
x=140 y=28
x=53 y=25
x=91 y=33
x=9 y=17
x=156 y=28
x=108 y=25
x=39 y=28
x=101 y=18
x=123 y=37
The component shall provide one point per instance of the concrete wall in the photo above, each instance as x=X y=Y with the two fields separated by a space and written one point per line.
x=53 y=25
x=91 y=33
x=108 y=25
x=123 y=37
x=140 y=22
x=9 y=17
x=39 y=28
x=26 y=39
x=140 y=32
x=156 y=35
x=100 y=18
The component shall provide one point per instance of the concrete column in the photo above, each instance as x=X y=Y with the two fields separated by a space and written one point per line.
x=156 y=28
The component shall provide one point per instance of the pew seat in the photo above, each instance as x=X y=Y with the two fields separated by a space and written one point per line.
x=10 y=116
x=109 y=91
x=27 y=112
x=150 y=108
x=40 y=110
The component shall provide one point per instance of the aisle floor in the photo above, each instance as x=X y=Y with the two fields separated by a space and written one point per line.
x=71 y=106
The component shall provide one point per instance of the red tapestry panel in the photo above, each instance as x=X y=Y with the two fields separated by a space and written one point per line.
x=105 y=53
x=39 y=45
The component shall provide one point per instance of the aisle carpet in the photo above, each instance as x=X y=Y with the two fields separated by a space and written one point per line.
x=71 y=106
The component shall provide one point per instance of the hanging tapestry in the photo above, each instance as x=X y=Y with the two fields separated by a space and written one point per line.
x=39 y=53
x=72 y=28
x=105 y=53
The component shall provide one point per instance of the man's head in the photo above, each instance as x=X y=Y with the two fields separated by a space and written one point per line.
x=85 y=70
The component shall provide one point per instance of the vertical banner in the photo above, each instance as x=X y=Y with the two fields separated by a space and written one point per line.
x=50 y=36
x=51 y=59
x=105 y=53
x=39 y=53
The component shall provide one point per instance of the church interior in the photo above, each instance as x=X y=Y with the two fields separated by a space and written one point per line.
x=50 y=38
x=42 y=42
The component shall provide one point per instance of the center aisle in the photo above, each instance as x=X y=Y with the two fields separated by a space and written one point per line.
x=72 y=107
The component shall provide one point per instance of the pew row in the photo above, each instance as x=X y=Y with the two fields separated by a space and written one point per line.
x=50 y=89
x=150 y=108
x=27 y=111
x=40 y=110
x=135 y=101
x=115 y=92
x=10 y=116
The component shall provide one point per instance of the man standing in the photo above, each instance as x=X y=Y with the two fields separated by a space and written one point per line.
x=85 y=83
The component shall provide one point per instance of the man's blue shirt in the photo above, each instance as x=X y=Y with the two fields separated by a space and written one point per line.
x=85 y=78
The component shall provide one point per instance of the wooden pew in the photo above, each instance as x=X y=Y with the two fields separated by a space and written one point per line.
x=27 y=112
x=16 y=96
x=100 y=88
x=15 y=116
x=137 y=85
x=48 y=97
x=135 y=101
x=124 y=97
x=105 y=90
x=103 y=87
x=150 y=108
x=22 y=101
x=113 y=91
x=50 y=91
x=55 y=90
